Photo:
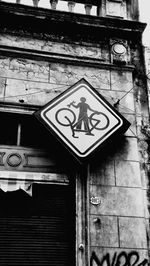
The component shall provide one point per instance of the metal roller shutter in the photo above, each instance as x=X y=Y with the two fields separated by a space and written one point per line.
x=37 y=230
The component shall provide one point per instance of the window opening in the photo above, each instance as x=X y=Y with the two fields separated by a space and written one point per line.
x=22 y=130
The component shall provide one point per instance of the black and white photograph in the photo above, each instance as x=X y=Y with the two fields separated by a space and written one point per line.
x=74 y=133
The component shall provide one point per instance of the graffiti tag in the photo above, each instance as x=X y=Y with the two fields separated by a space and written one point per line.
x=122 y=259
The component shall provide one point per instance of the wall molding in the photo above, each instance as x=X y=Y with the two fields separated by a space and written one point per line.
x=60 y=58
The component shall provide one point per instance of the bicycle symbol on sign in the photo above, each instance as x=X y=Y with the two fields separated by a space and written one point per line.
x=84 y=123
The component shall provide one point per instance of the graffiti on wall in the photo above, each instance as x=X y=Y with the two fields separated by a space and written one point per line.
x=122 y=259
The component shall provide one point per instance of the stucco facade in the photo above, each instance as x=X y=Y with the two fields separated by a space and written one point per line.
x=42 y=53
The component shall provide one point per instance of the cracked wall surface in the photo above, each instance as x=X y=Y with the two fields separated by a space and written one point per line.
x=117 y=176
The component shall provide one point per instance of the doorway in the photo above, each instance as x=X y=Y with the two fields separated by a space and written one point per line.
x=38 y=230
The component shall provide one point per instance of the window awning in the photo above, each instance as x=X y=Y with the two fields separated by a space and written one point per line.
x=13 y=181
x=13 y=185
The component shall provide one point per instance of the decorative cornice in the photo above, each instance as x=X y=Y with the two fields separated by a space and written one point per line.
x=40 y=20
x=18 y=108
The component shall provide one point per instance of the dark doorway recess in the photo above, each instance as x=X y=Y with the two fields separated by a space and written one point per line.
x=38 y=230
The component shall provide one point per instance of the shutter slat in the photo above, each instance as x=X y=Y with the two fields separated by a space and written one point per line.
x=41 y=240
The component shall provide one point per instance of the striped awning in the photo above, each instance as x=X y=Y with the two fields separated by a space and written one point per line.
x=13 y=185
x=12 y=181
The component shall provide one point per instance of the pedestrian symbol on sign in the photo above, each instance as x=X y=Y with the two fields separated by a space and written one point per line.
x=96 y=120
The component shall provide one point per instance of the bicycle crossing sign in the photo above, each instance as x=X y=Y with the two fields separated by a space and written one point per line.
x=82 y=119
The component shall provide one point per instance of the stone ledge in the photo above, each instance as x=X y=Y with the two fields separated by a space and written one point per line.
x=44 y=19
x=61 y=58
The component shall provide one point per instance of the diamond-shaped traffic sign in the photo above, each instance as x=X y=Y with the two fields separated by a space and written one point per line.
x=82 y=119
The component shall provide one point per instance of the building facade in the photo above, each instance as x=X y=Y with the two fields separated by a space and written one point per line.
x=55 y=210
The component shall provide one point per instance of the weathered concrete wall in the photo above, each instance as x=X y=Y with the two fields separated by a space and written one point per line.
x=118 y=224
